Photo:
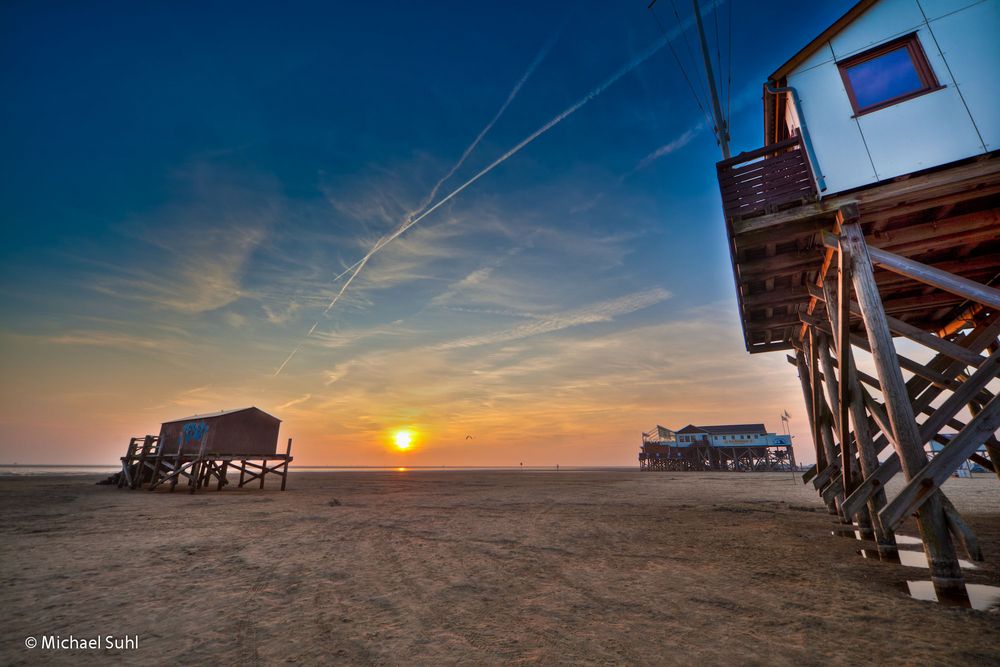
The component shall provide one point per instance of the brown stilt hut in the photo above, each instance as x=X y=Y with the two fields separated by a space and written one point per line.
x=203 y=448
x=872 y=213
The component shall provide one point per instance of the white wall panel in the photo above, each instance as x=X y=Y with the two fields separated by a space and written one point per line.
x=884 y=20
x=920 y=133
x=836 y=139
x=970 y=42
x=934 y=9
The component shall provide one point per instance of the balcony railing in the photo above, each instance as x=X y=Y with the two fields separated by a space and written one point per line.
x=766 y=180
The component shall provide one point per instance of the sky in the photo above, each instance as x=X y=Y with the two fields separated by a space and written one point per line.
x=182 y=186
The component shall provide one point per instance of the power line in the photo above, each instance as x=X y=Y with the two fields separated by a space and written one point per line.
x=718 y=47
x=687 y=43
x=729 y=71
x=680 y=65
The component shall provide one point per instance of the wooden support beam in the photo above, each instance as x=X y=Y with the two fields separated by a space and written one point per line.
x=829 y=379
x=936 y=378
x=288 y=457
x=157 y=463
x=832 y=451
x=804 y=381
x=916 y=334
x=921 y=487
x=842 y=325
x=945 y=571
x=940 y=417
x=927 y=339
x=992 y=444
x=855 y=407
x=823 y=478
x=943 y=280
x=961 y=531
x=222 y=475
x=140 y=468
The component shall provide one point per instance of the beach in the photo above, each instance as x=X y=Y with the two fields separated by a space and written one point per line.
x=473 y=567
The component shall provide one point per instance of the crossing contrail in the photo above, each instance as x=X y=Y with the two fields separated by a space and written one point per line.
x=489 y=126
x=358 y=266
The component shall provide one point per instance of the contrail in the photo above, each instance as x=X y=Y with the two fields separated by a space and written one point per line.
x=489 y=126
x=357 y=267
x=628 y=67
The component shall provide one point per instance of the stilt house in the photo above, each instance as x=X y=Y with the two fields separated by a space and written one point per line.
x=873 y=212
x=735 y=447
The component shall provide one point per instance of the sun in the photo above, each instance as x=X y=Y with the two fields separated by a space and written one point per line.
x=403 y=440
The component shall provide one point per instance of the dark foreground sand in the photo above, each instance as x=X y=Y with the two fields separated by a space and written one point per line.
x=474 y=568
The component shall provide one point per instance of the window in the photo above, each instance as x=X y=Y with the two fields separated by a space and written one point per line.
x=887 y=75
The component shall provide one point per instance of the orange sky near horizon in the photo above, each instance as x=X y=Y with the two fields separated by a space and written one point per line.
x=578 y=399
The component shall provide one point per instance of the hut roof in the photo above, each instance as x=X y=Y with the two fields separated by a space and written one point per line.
x=220 y=413
x=725 y=429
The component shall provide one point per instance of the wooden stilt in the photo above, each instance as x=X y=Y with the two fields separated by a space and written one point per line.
x=155 y=476
x=288 y=456
x=945 y=571
x=222 y=475
x=843 y=328
x=867 y=455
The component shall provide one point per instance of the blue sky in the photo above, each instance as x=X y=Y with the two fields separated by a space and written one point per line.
x=182 y=182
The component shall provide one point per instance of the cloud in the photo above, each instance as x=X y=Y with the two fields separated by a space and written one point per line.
x=295 y=401
x=673 y=145
x=280 y=315
x=341 y=339
x=748 y=95
x=108 y=339
x=195 y=252
x=599 y=312
x=236 y=320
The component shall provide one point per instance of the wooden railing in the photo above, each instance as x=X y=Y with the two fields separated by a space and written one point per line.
x=766 y=179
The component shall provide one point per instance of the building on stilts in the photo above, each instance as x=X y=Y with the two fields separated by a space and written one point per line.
x=871 y=216
x=730 y=447
x=203 y=449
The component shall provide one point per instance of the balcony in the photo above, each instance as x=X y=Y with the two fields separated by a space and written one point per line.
x=766 y=180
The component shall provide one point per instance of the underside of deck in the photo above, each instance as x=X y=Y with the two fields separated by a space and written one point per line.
x=948 y=218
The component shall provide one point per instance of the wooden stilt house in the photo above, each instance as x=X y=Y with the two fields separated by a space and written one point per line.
x=872 y=213
x=203 y=448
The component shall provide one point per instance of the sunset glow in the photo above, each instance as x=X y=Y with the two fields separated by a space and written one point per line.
x=549 y=311
x=403 y=440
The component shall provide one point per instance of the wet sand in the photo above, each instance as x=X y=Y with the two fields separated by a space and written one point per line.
x=474 y=567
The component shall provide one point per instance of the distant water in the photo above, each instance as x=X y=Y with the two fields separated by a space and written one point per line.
x=17 y=470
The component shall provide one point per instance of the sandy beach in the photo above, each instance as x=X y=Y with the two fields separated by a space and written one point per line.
x=474 y=567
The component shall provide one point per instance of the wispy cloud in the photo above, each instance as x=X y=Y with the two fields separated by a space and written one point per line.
x=108 y=339
x=671 y=146
x=295 y=401
x=197 y=250
x=599 y=312
x=277 y=315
